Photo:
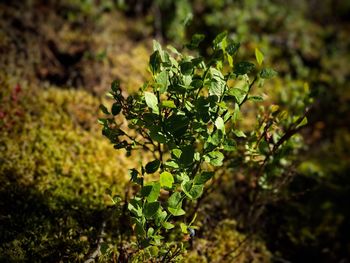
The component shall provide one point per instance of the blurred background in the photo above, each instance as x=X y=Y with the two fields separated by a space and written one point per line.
x=57 y=60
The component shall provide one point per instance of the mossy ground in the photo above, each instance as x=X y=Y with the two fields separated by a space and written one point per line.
x=55 y=169
x=58 y=59
x=55 y=164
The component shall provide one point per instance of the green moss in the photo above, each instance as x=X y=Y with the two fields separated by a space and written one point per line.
x=55 y=168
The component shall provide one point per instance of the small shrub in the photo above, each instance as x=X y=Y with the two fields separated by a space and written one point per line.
x=187 y=117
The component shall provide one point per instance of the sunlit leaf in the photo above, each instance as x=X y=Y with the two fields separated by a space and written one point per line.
x=166 y=179
x=151 y=191
x=259 y=56
x=151 y=101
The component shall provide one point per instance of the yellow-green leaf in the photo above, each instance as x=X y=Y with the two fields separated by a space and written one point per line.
x=302 y=123
x=166 y=179
x=259 y=56
x=168 y=104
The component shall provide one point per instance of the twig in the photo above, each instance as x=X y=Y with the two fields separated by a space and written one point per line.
x=97 y=252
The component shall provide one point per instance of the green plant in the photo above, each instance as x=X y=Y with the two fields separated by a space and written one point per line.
x=187 y=118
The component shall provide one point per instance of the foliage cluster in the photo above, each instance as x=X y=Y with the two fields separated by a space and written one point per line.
x=83 y=43
x=314 y=47
x=188 y=117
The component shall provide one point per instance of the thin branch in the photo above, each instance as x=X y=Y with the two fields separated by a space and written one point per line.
x=97 y=252
x=247 y=94
x=203 y=79
x=244 y=99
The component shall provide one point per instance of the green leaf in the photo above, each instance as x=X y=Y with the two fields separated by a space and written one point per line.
x=220 y=125
x=116 y=108
x=196 y=191
x=187 y=80
x=156 y=134
x=134 y=206
x=302 y=123
x=187 y=155
x=192 y=191
x=183 y=228
x=239 y=134
x=238 y=94
x=162 y=79
x=197 y=156
x=157 y=240
x=177 y=125
x=197 y=83
x=219 y=39
x=102 y=121
x=150 y=231
x=150 y=209
x=133 y=174
x=150 y=118
x=171 y=164
x=243 y=67
x=104 y=109
x=215 y=158
x=176 y=211
x=236 y=113
x=267 y=73
x=232 y=47
x=166 y=179
x=160 y=217
x=156 y=46
x=217 y=58
x=115 y=86
x=154 y=62
x=151 y=101
x=217 y=84
x=216 y=138
x=168 y=104
x=229 y=145
x=175 y=204
x=195 y=41
x=264 y=147
x=186 y=67
x=176 y=153
x=255 y=98
x=175 y=200
x=103 y=248
x=259 y=56
x=203 y=178
x=152 y=167
x=151 y=191
x=167 y=225
x=222 y=105
x=139 y=229
x=153 y=250
x=174 y=50
x=197 y=61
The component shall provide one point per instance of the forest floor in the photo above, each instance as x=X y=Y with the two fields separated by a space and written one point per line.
x=56 y=65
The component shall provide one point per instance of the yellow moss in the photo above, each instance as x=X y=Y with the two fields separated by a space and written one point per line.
x=57 y=146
